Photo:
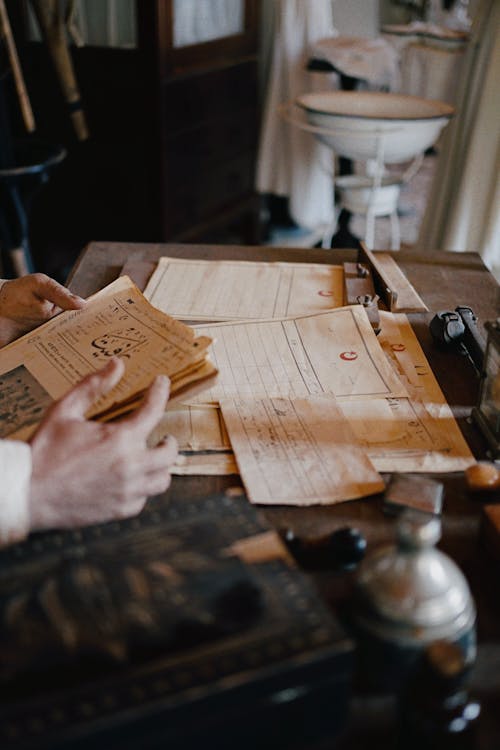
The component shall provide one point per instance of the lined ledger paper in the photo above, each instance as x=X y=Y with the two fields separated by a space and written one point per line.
x=334 y=352
x=299 y=452
x=241 y=290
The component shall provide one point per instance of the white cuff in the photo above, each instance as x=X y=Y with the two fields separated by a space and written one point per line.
x=15 y=477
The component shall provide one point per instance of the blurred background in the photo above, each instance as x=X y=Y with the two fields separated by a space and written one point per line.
x=156 y=121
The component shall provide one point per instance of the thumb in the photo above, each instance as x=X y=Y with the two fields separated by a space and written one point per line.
x=80 y=398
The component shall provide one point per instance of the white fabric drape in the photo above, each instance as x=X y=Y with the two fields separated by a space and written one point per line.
x=463 y=211
x=203 y=20
x=290 y=162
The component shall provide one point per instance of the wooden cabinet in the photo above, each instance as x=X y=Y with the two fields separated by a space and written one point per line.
x=207 y=98
x=173 y=134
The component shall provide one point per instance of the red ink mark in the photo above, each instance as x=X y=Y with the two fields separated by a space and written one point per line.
x=349 y=356
x=325 y=293
x=398 y=347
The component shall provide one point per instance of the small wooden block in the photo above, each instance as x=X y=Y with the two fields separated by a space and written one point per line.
x=415 y=492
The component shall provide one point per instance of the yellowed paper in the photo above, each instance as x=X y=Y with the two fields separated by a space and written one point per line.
x=260 y=548
x=402 y=347
x=196 y=428
x=334 y=352
x=206 y=464
x=43 y=365
x=418 y=433
x=399 y=435
x=299 y=452
x=240 y=290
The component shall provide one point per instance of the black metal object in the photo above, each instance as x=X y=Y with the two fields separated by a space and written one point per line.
x=458 y=329
x=342 y=549
x=20 y=180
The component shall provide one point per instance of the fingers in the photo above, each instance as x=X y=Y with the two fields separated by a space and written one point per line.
x=49 y=289
x=144 y=419
x=163 y=456
x=79 y=400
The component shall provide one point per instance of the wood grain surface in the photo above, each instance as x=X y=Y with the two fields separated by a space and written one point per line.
x=444 y=281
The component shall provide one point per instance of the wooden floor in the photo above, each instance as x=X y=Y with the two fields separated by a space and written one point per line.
x=412 y=204
x=411 y=209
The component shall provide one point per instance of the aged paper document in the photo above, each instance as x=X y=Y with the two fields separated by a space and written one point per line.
x=299 y=452
x=334 y=352
x=202 y=438
x=240 y=290
x=218 y=463
x=196 y=428
x=118 y=321
x=418 y=433
x=432 y=438
x=415 y=433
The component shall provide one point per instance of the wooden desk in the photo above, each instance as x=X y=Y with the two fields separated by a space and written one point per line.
x=444 y=280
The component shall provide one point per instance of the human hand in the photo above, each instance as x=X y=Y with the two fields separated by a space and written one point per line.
x=86 y=472
x=31 y=300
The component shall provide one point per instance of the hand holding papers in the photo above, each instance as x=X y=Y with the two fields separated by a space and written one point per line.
x=43 y=365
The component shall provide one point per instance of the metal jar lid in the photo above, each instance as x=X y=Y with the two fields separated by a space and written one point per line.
x=411 y=590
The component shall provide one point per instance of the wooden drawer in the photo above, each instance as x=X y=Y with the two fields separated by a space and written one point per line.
x=193 y=100
x=197 y=198
x=191 y=153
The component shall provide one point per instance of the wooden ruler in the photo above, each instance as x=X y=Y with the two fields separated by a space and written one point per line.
x=392 y=285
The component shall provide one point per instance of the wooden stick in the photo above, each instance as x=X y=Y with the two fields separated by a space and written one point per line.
x=53 y=29
x=22 y=93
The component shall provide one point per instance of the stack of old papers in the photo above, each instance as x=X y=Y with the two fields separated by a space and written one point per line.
x=118 y=321
x=309 y=404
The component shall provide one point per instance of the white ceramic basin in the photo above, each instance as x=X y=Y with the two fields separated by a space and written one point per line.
x=353 y=123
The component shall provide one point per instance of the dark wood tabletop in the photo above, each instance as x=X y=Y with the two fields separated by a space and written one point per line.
x=444 y=281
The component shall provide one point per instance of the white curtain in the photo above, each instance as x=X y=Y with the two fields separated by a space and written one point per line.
x=100 y=23
x=291 y=162
x=203 y=20
x=463 y=211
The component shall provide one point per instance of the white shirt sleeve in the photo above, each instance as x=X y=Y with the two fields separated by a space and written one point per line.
x=15 y=476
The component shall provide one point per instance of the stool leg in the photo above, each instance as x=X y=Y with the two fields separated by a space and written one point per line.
x=14 y=230
x=370 y=230
x=19 y=261
x=330 y=231
x=395 y=233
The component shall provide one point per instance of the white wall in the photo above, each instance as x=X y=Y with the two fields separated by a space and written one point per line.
x=356 y=17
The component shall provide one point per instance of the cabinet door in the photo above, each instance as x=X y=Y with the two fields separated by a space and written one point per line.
x=203 y=33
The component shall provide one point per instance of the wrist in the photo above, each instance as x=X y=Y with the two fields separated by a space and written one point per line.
x=8 y=331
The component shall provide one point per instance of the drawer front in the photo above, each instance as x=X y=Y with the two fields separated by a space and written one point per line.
x=204 y=148
x=191 y=101
x=199 y=197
